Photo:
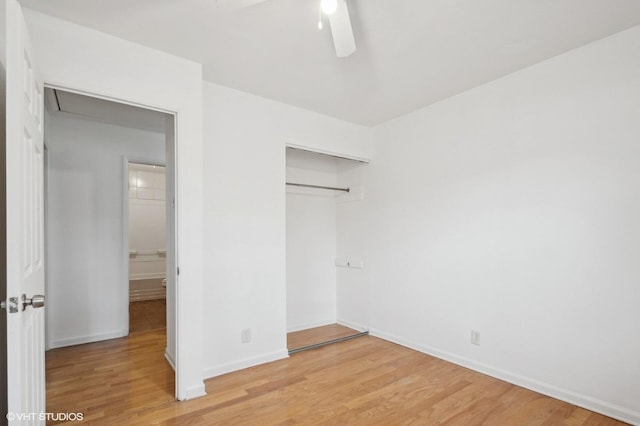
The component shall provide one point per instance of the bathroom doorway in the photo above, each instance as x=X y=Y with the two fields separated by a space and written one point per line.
x=147 y=246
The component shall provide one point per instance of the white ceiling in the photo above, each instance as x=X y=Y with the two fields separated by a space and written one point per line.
x=411 y=53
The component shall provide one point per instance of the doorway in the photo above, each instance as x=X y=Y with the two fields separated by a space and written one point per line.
x=89 y=144
x=146 y=199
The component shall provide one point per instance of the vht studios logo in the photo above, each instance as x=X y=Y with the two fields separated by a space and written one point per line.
x=55 y=417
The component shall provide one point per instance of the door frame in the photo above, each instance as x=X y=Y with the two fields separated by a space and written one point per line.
x=3 y=232
x=174 y=115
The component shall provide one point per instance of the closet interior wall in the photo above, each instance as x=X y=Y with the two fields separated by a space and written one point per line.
x=352 y=293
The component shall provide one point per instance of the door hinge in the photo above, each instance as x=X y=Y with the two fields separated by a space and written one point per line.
x=12 y=303
x=178 y=270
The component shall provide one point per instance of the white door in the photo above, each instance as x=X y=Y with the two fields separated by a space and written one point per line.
x=25 y=215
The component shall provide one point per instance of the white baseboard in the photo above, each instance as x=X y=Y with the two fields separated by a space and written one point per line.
x=170 y=359
x=194 y=392
x=147 y=294
x=147 y=276
x=245 y=363
x=593 y=404
x=72 y=341
x=355 y=326
x=309 y=325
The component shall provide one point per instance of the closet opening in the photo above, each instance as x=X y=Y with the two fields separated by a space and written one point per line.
x=321 y=255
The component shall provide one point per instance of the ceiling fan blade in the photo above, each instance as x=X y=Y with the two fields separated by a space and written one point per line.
x=341 y=30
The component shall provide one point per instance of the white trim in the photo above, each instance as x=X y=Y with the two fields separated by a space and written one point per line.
x=72 y=341
x=173 y=275
x=57 y=86
x=328 y=152
x=148 y=201
x=124 y=300
x=195 y=392
x=309 y=325
x=169 y=359
x=584 y=401
x=245 y=363
x=148 y=276
x=361 y=328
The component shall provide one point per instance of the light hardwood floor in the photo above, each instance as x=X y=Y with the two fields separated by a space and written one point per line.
x=362 y=381
x=313 y=336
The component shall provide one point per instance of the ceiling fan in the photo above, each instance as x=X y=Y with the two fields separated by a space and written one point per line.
x=338 y=14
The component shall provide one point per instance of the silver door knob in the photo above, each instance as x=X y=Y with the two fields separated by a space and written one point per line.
x=37 y=301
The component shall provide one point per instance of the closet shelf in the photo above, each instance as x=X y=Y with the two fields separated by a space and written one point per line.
x=304 y=185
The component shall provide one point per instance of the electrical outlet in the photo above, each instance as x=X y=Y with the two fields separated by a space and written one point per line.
x=475 y=337
x=246 y=335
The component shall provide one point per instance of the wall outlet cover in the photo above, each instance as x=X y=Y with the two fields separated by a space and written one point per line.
x=475 y=337
x=246 y=335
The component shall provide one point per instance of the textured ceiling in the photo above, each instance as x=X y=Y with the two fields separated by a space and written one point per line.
x=411 y=53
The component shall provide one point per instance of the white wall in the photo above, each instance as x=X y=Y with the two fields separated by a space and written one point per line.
x=85 y=197
x=311 y=241
x=244 y=206
x=512 y=209
x=74 y=57
x=353 y=293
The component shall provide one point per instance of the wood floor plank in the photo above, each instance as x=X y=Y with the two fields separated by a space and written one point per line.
x=364 y=381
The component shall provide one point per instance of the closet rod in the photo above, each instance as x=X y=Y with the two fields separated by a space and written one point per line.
x=304 y=185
